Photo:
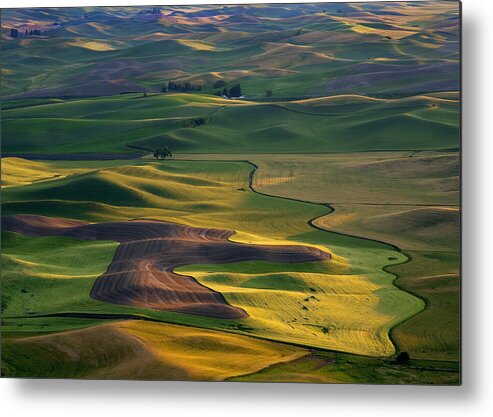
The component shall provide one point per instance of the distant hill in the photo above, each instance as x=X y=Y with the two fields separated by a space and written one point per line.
x=322 y=49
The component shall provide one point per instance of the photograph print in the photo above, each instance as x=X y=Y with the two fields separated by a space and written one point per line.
x=253 y=192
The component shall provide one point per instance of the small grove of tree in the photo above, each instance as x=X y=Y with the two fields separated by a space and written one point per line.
x=219 y=84
x=162 y=153
x=235 y=91
x=268 y=93
x=14 y=33
x=183 y=88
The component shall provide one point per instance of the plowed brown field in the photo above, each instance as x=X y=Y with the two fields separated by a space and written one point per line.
x=141 y=272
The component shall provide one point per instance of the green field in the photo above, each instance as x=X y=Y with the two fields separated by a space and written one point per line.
x=182 y=191
x=407 y=199
x=352 y=123
x=345 y=143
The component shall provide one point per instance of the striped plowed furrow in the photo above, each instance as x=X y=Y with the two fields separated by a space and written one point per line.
x=141 y=272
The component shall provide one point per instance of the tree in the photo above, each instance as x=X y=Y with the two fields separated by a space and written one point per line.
x=403 y=357
x=225 y=92
x=164 y=89
x=165 y=152
x=268 y=93
x=235 y=91
x=144 y=95
x=14 y=33
x=183 y=88
x=219 y=84
x=162 y=153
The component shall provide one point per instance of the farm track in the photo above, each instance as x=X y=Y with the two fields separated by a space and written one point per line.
x=141 y=272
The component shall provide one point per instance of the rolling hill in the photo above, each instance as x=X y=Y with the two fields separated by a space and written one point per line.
x=336 y=124
x=306 y=226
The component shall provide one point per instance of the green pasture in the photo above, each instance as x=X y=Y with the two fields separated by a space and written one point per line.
x=339 y=124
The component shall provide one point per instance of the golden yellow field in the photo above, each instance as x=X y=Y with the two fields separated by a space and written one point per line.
x=145 y=350
x=345 y=312
x=18 y=171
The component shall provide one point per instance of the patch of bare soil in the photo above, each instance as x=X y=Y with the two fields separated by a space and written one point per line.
x=141 y=272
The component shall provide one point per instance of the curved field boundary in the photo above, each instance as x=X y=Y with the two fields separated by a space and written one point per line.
x=141 y=272
x=312 y=223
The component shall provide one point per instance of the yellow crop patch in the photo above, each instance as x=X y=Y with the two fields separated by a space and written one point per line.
x=339 y=312
x=207 y=354
x=18 y=171
x=93 y=45
x=197 y=45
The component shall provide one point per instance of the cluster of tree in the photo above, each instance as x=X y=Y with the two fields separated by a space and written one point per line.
x=162 y=153
x=14 y=33
x=173 y=86
x=154 y=10
x=234 y=91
